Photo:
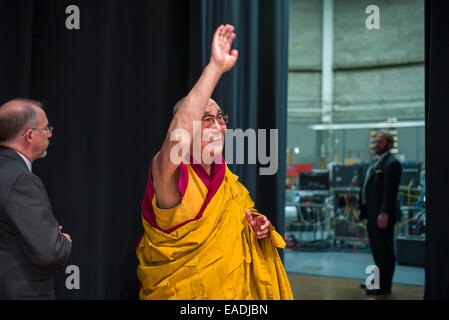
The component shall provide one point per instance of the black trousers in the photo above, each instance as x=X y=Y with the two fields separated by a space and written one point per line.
x=382 y=246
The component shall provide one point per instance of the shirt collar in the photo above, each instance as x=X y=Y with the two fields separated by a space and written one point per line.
x=28 y=163
x=383 y=155
x=379 y=158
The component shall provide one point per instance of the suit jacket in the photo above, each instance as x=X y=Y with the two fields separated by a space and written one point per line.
x=31 y=246
x=382 y=190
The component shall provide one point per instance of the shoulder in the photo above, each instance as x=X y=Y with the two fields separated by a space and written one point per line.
x=27 y=185
x=388 y=159
x=11 y=169
x=392 y=162
x=28 y=178
x=11 y=159
x=393 y=159
x=18 y=184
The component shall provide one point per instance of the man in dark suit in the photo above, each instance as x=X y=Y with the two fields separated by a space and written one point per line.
x=380 y=207
x=32 y=246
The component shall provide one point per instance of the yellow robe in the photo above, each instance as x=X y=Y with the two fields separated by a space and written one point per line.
x=213 y=255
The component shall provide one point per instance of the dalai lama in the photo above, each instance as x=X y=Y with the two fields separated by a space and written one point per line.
x=202 y=238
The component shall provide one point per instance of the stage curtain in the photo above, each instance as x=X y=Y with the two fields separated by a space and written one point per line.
x=109 y=89
x=437 y=133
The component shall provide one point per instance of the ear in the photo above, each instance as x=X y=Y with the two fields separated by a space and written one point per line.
x=28 y=135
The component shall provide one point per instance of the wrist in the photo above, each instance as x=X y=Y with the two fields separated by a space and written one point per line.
x=215 y=67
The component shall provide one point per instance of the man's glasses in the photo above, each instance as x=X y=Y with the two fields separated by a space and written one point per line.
x=208 y=120
x=47 y=128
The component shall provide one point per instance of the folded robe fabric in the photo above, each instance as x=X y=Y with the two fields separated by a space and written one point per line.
x=204 y=248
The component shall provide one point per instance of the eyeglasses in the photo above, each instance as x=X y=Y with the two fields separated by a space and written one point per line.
x=47 y=128
x=208 y=120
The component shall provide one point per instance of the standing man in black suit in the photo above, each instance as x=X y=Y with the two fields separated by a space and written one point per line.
x=32 y=246
x=380 y=207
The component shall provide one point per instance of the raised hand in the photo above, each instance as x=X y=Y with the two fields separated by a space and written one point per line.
x=258 y=223
x=221 y=53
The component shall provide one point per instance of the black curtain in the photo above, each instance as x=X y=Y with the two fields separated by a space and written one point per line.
x=109 y=89
x=437 y=164
x=254 y=94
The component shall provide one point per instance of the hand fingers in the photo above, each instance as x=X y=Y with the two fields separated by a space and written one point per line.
x=382 y=221
x=259 y=224
x=250 y=219
x=60 y=228
x=230 y=36
x=262 y=234
x=229 y=28
x=219 y=32
x=226 y=31
x=222 y=30
x=265 y=226
x=381 y=224
x=262 y=221
x=68 y=237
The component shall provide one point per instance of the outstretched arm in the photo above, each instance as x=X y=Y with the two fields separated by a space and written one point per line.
x=165 y=169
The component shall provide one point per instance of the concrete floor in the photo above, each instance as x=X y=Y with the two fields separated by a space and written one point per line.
x=345 y=265
x=306 y=287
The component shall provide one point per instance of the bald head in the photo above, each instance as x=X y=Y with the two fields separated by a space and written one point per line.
x=17 y=115
x=179 y=104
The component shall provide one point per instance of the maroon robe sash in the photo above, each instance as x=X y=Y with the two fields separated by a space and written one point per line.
x=212 y=183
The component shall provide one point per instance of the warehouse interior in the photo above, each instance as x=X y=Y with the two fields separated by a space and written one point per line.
x=346 y=82
x=353 y=68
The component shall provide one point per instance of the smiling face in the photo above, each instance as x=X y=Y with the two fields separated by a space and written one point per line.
x=212 y=131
